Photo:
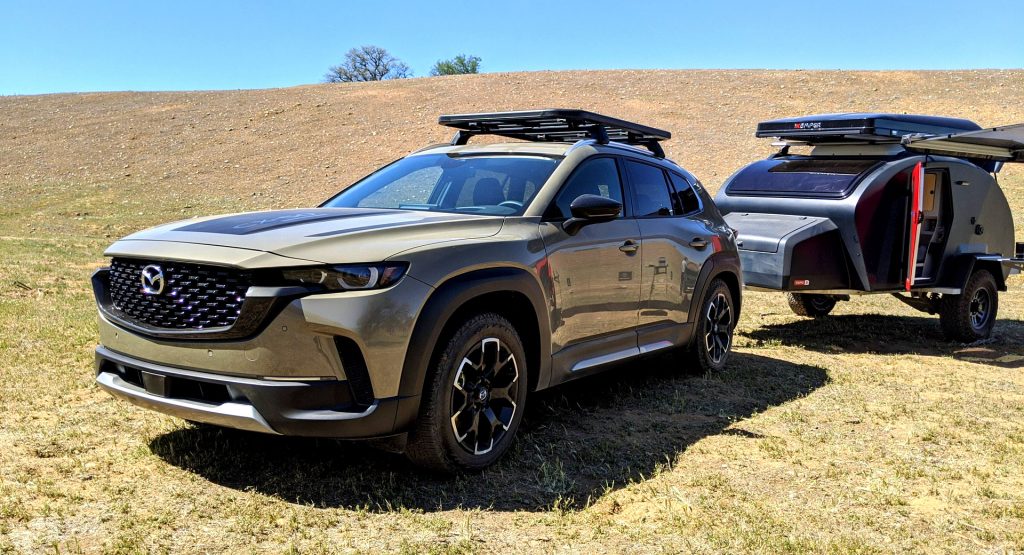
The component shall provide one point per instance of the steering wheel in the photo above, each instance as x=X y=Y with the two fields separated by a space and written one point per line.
x=511 y=204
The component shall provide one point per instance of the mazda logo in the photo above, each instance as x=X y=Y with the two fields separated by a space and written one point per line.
x=153 y=280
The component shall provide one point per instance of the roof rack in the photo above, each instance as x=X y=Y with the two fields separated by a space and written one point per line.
x=555 y=125
x=860 y=127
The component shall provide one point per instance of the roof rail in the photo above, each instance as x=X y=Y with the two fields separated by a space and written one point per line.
x=555 y=125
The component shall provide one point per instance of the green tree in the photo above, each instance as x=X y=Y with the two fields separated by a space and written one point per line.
x=367 y=63
x=458 y=65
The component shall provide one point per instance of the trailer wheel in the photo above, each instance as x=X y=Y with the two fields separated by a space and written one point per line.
x=970 y=316
x=813 y=306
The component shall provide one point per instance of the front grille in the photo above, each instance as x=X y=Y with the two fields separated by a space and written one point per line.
x=194 y=296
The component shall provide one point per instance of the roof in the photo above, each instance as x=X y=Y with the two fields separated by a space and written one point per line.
x=861 y=127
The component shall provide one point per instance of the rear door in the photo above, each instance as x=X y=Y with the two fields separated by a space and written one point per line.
x=675 y=246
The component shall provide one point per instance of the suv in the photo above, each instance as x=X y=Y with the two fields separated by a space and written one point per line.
x=425 y=301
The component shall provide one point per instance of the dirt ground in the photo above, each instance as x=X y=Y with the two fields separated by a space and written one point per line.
x=864 y=432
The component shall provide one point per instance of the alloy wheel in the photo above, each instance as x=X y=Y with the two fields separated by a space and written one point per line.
x=483 y=396
x=717 y=328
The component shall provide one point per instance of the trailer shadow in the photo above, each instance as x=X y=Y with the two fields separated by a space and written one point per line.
x=576 y=443
x=886 y=334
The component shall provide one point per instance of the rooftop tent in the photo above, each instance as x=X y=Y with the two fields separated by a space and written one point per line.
x=861 y=127
x=955 y=137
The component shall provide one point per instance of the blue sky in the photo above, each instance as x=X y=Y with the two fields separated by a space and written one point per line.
x=59 y=46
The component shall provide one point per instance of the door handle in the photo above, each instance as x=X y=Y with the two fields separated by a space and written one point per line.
x=629 y=247
x=698 y=243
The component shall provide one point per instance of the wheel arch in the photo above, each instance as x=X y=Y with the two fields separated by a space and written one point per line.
x=958 y=270
x=511 y=292
x=726 y=266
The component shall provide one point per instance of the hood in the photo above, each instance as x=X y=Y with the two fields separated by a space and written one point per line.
x=324 y=235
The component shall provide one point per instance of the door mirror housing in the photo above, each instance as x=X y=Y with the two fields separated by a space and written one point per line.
x=591 y=209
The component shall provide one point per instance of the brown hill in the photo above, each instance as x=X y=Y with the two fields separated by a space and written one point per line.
x=297 y=145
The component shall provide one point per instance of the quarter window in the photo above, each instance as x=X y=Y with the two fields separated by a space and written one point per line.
x=685 y=198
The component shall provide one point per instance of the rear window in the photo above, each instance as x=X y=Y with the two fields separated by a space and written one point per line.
x=829 y=178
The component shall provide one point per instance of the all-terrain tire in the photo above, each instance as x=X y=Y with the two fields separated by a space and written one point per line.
x=458 y=393
x=810 y=305
x=712 y=340
x=970 y=316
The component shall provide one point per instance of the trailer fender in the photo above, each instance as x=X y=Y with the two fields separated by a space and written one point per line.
x=958 y=269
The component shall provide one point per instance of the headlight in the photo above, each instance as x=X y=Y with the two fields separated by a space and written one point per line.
x=349 y=278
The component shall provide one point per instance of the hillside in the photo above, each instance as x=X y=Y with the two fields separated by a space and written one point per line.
x=864 y=432
x=298 y=145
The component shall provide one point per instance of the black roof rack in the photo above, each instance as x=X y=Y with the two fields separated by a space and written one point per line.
x=861 y=127
x=555 y=125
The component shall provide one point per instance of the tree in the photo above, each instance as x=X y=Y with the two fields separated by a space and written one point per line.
x=367 y=63
x=458 y=65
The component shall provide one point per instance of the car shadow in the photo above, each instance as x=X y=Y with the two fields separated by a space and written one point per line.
x=885 y=334
x=576 y=443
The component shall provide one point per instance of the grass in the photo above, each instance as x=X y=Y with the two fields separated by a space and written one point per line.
x=865 y=432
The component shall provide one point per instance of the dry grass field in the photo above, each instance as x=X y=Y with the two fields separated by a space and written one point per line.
x=865 y=432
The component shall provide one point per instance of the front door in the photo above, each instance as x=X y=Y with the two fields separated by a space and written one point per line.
x=595 y=273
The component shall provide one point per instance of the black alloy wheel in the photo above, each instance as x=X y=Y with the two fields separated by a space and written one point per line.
x=483 y=396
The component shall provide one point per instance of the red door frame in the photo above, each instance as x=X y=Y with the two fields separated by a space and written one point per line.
x=916 y=205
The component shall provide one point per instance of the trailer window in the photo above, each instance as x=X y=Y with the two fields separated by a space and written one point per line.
x=805 y=177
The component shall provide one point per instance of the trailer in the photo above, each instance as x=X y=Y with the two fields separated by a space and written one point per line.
x=907 y=205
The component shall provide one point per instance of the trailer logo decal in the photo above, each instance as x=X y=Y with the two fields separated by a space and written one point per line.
x=807 y=125
x=801 y=282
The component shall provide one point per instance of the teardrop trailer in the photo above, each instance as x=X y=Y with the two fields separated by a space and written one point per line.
x=907 y=205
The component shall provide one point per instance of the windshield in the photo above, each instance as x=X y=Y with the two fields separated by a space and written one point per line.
x=808 y=177
x=496 y=185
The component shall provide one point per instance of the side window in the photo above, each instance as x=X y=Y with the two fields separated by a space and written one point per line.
x=650 y=190
x=598 y=176
x=686 y=200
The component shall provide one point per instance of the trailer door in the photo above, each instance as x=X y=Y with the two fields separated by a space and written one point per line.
x=916 y=209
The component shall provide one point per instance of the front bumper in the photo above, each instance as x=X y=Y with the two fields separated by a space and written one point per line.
x=321 y=408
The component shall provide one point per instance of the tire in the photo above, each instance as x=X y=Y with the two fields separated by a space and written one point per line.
x=474 y=398
x=812 y=306
x=716 y=321
x=971 y=315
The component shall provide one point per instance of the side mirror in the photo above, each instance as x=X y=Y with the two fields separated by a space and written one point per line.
x=591 y=209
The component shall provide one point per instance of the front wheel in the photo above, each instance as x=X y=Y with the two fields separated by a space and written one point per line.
x=474 y=398
x=970 y=316
x=716 y=320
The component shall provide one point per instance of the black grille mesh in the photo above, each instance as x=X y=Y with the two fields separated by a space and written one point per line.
x=194 y=297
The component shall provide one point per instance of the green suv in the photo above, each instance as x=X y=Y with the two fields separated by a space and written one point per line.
x=428 y=300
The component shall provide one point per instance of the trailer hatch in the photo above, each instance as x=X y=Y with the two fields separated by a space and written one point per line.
x=1004 y=144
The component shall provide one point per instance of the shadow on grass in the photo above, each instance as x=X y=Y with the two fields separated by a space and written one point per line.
x=576 y=443
x=882 y=334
